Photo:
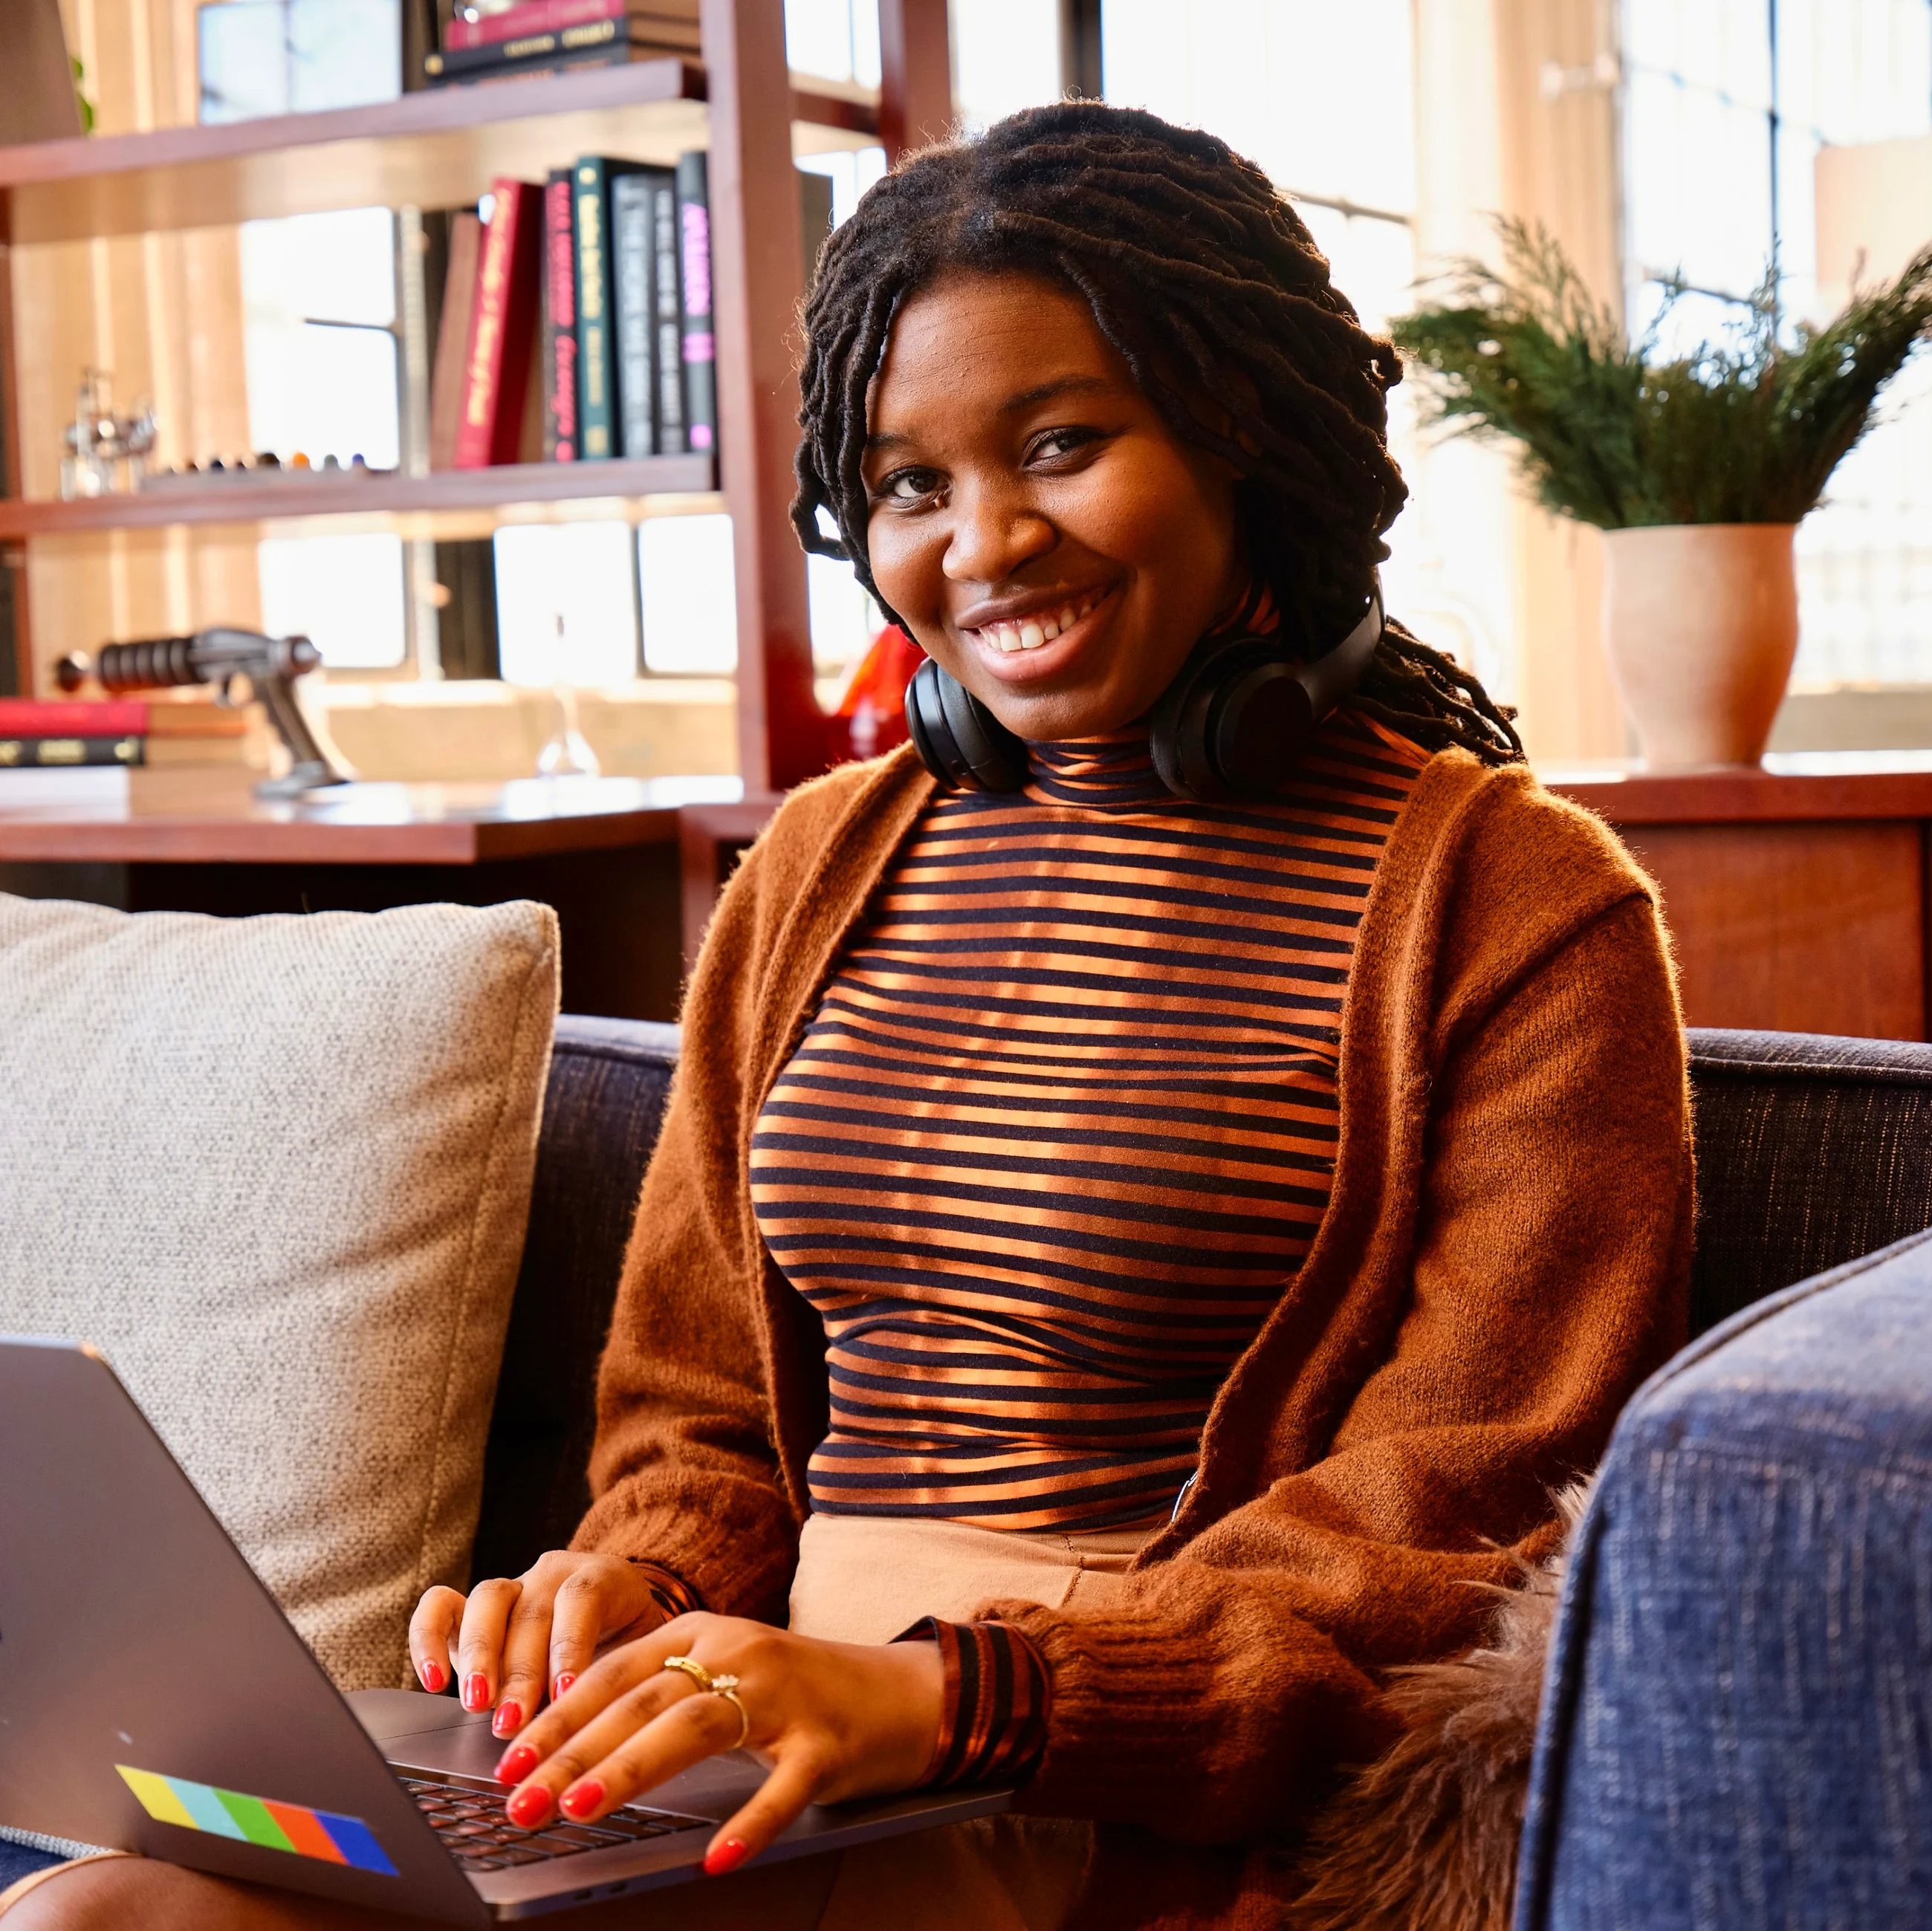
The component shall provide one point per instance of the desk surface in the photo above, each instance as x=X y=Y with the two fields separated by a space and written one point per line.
x=212 y=817
x=1789 y=785
x=189 y=817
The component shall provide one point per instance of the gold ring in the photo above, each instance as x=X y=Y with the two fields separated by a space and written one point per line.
x=726 y=1687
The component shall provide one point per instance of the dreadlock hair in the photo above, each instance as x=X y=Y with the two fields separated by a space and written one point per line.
x=1210 y=286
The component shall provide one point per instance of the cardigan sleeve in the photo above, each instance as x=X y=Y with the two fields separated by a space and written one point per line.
x=1543 y=1274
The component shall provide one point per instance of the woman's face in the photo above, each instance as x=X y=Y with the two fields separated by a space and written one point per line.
x=1050 y=541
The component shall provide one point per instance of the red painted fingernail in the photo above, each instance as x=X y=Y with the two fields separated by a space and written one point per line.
x=515 y=1764
x=529 y=1806
x=581 y=1799
x=563 y=1684
x=725 y=1856
x=475 y=1691
x=433 y=1678
x=508 y=1719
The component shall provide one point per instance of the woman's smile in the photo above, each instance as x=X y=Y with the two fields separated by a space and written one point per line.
x=1034 y=639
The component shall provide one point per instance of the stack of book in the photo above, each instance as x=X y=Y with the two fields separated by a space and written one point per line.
x=577 y=326
x=67 y=751
x=549 y=36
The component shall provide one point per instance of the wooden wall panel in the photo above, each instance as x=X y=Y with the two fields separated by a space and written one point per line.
x=1795 y=926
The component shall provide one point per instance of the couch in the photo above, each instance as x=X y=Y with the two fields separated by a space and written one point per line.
x=1812 y=1152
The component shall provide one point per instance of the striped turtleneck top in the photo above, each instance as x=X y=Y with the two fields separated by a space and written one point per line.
x=1064 y=1123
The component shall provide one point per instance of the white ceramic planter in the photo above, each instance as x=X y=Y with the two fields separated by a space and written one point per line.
x=1700 y=621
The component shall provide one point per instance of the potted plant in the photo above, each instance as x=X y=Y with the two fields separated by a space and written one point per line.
x=1698 y=469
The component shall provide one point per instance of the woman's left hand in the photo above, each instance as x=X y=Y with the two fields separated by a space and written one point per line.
x=834 y=1720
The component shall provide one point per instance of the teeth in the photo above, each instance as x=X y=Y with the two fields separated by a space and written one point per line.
x=1030 y=632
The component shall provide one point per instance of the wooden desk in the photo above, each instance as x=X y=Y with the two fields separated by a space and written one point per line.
x=604 y=851
x=1796 y=894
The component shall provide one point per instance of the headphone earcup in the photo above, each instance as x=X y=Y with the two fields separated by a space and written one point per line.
x=959 y=740
x=1187 y=727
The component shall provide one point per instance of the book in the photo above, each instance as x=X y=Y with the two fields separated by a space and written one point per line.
x=540 y=52
x=597 y=424
x=673 y=26
x=698 y=352
x=24 y=753
x=559 y=321
x=617 y=54
x=452 y=339
x=631 y=250
x=502 y=328
x=62 y=788
x=39 y=717
x=667 y=318
x=118 y=718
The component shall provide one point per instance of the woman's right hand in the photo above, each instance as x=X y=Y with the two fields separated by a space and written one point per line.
x=510 y=1643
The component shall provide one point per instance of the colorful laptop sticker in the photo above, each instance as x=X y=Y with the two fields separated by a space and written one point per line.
x=335 y=1839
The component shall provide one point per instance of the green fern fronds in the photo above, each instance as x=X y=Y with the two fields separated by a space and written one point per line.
x=1746 y=430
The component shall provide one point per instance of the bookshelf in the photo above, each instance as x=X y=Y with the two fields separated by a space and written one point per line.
x=441 y=148
x=431 y=506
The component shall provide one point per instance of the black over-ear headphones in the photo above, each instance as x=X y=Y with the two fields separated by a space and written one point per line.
x=1237 y=715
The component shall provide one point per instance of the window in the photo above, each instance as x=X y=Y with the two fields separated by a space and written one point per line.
x=318 y=307
x=1725 y=105
x=1320 y=97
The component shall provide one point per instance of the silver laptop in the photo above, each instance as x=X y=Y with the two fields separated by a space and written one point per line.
x=153 y=1698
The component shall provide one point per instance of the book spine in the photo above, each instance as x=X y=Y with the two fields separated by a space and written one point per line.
x=559 y=365
x=532 y=50
x=698 y=348
x=546 y=350
x=630 y=249
x=667 y=317
x=451 y=366
x=596 y=358
x=36 y=718
x=534 y=17
x=497 y=369
x=64 y=754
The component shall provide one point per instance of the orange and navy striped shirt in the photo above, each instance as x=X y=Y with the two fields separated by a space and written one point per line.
x=1065 y=1123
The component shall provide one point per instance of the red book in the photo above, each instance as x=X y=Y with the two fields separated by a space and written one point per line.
x=531 y=16
x=37 y=717
x=671 y=25
x=502 y=330
x=560 y=268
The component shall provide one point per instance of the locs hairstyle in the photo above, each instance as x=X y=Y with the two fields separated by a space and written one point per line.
x=1210 y=287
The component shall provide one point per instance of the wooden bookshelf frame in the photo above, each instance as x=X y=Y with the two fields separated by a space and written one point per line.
x=441 y=147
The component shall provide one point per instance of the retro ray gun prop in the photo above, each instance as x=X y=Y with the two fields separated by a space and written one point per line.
x=224 y=658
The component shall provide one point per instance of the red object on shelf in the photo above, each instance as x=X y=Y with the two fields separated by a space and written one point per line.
x=38 y=717
x=531 y=16
x=873 y=705
x=502 y=329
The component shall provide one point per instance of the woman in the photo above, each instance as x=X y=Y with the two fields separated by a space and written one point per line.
x=1155 y=1254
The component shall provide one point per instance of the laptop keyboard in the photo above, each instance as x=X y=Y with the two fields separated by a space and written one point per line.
x=469 y=1818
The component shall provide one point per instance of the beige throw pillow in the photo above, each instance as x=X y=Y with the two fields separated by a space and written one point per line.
x=278 y=1169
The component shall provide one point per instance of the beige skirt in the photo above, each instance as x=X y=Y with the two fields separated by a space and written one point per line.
x=863 y=1580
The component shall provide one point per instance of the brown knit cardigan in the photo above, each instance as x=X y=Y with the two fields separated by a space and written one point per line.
x=1504 y=1258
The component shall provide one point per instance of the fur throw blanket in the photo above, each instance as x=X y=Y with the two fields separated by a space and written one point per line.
x=1425 y=1839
